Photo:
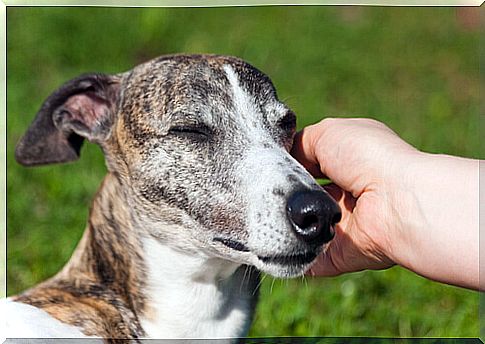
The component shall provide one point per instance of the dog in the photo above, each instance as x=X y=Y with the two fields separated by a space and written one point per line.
x=201 y=195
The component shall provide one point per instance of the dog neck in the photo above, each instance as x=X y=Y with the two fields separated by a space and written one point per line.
x=172 y=294
x=196 y=297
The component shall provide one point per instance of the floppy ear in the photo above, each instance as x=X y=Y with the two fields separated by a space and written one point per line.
x=81 y=108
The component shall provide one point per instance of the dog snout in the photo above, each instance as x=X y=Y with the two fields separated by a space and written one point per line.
x=313 y=215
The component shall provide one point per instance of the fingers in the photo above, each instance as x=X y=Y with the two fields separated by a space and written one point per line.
x=332 y=261
x=344 y=254
x=337 y=258
x=344 y=199
x=324 y=266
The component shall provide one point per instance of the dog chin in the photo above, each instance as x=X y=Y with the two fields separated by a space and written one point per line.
x=287 y=266
x=275 y=269
x=278 y=264
x=280 y=271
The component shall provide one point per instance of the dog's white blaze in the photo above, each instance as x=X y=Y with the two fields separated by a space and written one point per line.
x=247 y=113
x=243 y=103
x=26 y=321
x=264 y=168
x=191 y=296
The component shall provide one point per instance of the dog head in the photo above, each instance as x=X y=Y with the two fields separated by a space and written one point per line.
x=200 y=144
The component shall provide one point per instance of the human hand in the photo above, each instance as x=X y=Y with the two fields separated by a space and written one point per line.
x=357 y=155
x=398 y=205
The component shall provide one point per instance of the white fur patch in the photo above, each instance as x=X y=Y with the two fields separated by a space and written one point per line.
x=242 y=101
x=25 y=321
x=191 y=296
x=247 y=113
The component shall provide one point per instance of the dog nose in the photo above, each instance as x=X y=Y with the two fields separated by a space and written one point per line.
x=313 y=214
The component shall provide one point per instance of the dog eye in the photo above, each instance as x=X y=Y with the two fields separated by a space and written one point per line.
x=288 y=122
x=200 y=131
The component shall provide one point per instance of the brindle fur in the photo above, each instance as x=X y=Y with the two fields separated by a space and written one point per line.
x=100 y=290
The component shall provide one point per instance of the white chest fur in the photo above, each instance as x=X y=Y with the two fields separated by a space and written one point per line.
x=193 y=297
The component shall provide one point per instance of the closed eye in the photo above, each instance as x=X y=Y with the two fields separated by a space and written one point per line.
x=200 y=131
x=288 y=122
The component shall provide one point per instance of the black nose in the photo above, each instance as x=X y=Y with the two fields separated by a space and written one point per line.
x=313 y=214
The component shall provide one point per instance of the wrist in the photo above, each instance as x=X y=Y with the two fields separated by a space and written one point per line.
x=403 y=214
x=436 y=207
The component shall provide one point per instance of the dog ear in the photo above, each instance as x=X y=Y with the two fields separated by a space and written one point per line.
x=81 y=108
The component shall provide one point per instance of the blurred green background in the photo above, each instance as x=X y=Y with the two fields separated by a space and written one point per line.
x=415 y=69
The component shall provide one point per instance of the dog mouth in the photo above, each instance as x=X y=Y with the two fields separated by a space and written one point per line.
x=294 y=259
x=290 y=259
x=235 y=245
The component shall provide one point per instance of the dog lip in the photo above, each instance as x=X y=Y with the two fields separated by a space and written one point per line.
x=235 y=245
x=291 y=259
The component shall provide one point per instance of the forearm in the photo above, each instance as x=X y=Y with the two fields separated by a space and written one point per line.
x=438 y=232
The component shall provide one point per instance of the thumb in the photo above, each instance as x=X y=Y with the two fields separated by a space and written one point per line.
x=303 y=150
x=330 y=149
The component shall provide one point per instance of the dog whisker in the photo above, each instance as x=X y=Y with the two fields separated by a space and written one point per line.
x=244 y=278
x=272 y=284
x=259 y=284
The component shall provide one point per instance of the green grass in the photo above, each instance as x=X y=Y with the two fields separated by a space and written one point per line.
x=414 y=69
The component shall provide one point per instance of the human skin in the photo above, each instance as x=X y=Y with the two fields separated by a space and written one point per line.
x=399 y=205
